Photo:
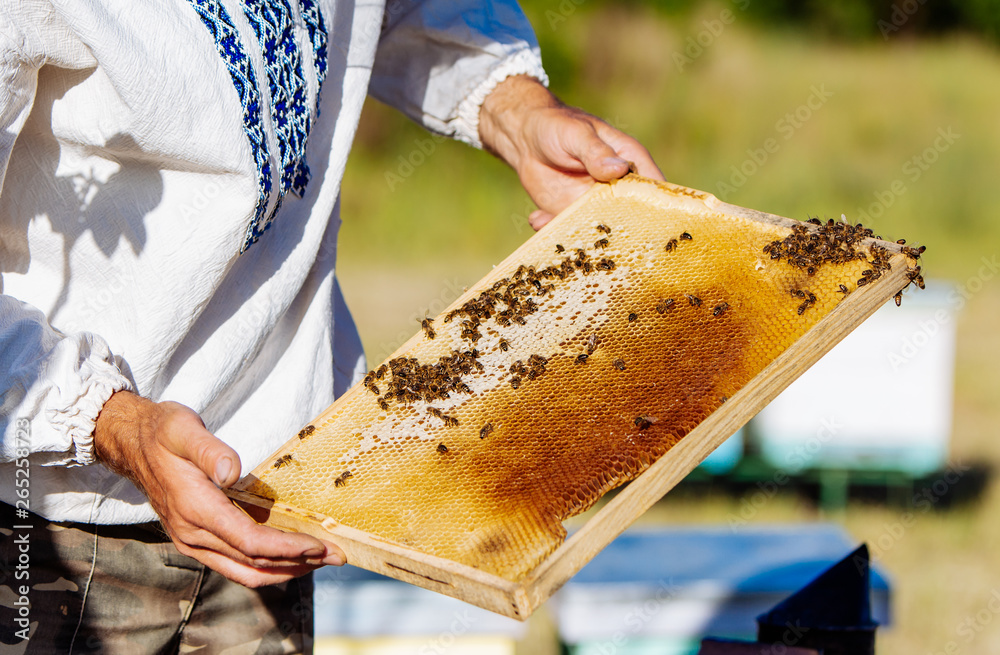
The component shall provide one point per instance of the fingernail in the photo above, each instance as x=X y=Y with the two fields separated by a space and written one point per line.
x=222 y=470
x=614 y=161
x=333 y=560
x=318 y=551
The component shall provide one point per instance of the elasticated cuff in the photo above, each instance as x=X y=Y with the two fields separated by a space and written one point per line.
x=75 y=412
x=523 y=62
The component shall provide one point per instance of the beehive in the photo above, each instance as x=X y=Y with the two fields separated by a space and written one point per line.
x=622 y=342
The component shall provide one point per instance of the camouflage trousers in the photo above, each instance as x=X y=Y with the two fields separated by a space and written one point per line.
x=79 y=588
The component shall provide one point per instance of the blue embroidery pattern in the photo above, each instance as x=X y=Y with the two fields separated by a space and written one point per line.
x=274 y=27
x=317 y=36
x=227 y=40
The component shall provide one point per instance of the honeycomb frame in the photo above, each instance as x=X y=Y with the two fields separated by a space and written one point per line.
x=522 y=582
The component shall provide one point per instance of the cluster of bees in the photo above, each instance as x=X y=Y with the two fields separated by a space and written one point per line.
x=534 y=368
x=834 y=242
x=406 y=380
x=838 y=242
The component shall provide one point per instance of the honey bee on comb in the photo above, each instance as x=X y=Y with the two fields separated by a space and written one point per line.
x=284 y=460
x=604 y=228
x=306 y=431
x=426 y=324
x=664 y=305
x=601 y=244
x=619 y=364
x=645 y=421
x=342 y=479
x=485 y=430
x=441 y=448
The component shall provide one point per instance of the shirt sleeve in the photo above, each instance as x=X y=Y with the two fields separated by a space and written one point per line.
x=52 y=386
x=438 y=60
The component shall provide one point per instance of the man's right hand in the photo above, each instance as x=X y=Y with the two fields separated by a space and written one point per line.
x=166 y=451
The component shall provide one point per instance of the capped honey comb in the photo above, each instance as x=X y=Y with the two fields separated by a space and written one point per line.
x=631 y=335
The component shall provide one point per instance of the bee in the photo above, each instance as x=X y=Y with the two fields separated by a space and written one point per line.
x=644 y=421
x=914 y=276
x=380 y=373
x=485 y=430
x=374 y=389
x=282 y=461
x=898 y=298
x=605 y=265
x=463 y=387
x=633 y=317
x=369 y=379
x=670 y=245
x=720 y=309
x=515 y=382
x=504 y=345
x=723 y=399
x=604 y=228
x=306 y=431
x=593 y=341
x=797 y=293
x=449 y=420
x=559 y=248
x=434 y=411
x=619 y=364
x=342 y=479
x=843 y=289
x=601 y=243
x=901 y=242
x=428 y=330
x=693 y=301
x=862 y=281
x=686 y=237
x=441 y=448
x=383 y=404
x=664 y=305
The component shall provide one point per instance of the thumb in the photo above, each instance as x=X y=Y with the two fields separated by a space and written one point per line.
x=185 y=436
x=597 y=156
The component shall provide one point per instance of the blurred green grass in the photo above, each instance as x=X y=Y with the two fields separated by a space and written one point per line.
x=423 y=218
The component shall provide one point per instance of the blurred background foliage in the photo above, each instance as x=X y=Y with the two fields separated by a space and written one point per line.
x=704 y=85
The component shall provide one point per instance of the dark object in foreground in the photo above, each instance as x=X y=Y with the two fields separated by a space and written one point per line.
x=830 y=615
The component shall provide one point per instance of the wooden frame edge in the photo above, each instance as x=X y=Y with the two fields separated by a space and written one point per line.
x=390 y=558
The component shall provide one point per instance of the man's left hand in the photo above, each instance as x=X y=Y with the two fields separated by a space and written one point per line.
x=557 y=151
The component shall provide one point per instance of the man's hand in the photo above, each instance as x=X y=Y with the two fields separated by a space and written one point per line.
x=166 y=451
x=557 y=151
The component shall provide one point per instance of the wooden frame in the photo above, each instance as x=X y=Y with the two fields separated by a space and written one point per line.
x=520 y=599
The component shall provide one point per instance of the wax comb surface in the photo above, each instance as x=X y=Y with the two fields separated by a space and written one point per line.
x=596 y=350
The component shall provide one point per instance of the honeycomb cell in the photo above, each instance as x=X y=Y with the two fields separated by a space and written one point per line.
x=566 y=372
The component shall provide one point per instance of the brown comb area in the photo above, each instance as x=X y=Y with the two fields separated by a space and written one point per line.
x=564 y=373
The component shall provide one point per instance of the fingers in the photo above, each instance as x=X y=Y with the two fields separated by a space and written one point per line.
x=247 y=575
x=538 y=219
x=202 y=516
x=630 y=149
